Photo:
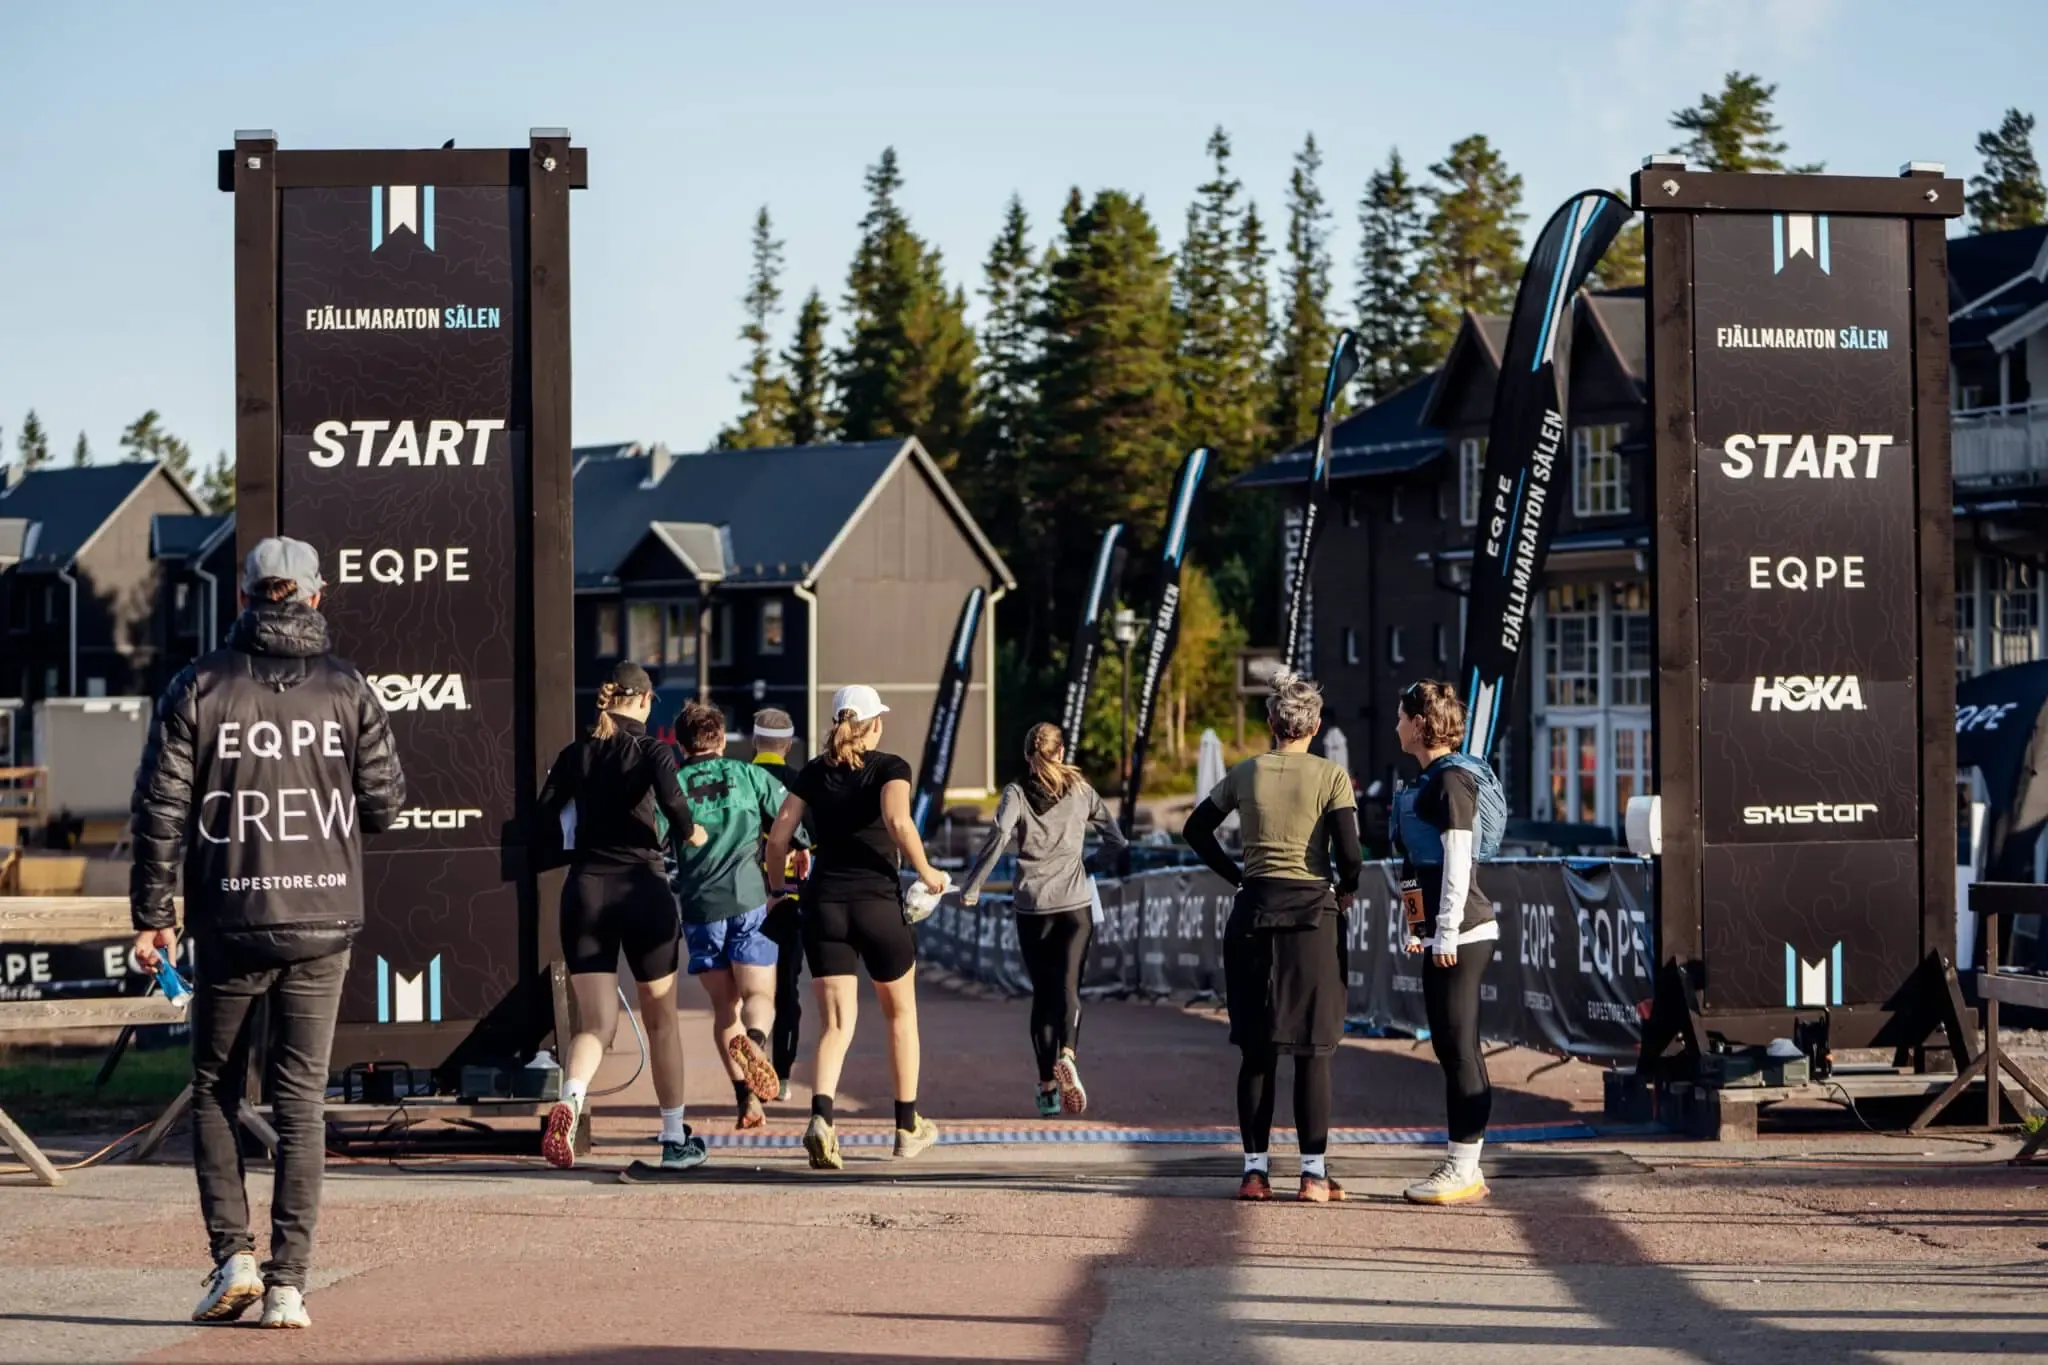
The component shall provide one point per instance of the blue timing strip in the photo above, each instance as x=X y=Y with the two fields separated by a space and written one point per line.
x=984 y=1137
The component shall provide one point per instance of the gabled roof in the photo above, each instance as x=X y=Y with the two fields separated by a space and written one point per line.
x=17 y=540
x=187 y=537
x=1622 y=319
x=71 y=505
x=704 y=551
x=1386 y=438
x=1481 y=339
x=786 y=508
x=1997 y=280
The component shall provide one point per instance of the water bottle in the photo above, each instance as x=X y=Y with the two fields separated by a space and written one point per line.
x=170 y=983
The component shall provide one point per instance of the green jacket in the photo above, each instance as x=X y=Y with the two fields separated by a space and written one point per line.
x=733 y=801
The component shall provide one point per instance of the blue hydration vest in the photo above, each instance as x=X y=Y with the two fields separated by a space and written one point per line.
x=1422 y=843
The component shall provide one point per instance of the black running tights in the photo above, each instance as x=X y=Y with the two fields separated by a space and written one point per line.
x=1451 y=995
x=1258 y=1081
x=1055 y=947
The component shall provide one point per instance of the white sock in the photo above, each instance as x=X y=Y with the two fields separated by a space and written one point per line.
x=574 y=1091
x=1256 y=1161
x=1313 y=1165
x=1465 y=1156
x=672 y=1129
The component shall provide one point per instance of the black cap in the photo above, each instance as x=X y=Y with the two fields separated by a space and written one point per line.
x=630 y=679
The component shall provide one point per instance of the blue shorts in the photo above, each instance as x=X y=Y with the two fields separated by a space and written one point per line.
x=735 y=942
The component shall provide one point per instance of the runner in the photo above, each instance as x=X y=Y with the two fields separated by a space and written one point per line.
x=615 y=795
x=858 y=799
x=774 y=732
x=1283 y=946
x=1049 y=814
x=1435 y=823
x=725 y=904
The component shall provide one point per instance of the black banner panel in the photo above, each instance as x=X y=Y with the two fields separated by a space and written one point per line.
x=401 y=458
x=1807 y=559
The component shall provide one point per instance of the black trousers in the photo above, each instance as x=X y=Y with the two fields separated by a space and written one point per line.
x=304 y=999
x=1451 y=997
x=1258 y=1084
x=1055 y=948
x=785 y=929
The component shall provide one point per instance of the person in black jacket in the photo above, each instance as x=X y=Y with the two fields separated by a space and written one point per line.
x=774 y=733
x=267 y=762
x=618 y=798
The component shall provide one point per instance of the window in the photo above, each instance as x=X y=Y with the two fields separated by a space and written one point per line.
x=1443 y=645
x=1599 y=474
x=1471 y=469
x=1350 y=645
x=1966 y=619
x=1575 y=774
x=1394 y=507
x=50 y=676
x=607 y=630
x=771 y=626
x=1571 y=646
x=643 y=632
x=1628 y=634
x=184 y=614
x=1397 y=652
x=1631 y=766
x=2012 y=609
x=721 y=634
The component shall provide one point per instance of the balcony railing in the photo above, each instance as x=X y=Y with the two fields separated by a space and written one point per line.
x=2008 y=445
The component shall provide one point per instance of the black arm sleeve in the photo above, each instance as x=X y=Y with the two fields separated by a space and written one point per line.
x=1200 y=832
x=162 y=806
x=1345 y=851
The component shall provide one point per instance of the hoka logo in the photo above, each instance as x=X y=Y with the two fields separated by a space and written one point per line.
x=419 y=691
x=1797 y=693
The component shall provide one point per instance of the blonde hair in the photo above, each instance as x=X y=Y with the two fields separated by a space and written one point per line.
x=1436 y=709
x=607 y=693
x=845 y=746
x=1295 y=708
x=1044 y=751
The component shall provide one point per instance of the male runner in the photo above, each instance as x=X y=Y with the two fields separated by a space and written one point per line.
x=774 y=733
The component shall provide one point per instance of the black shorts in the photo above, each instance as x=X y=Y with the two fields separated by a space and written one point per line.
x=609 y=907
x=847 y=930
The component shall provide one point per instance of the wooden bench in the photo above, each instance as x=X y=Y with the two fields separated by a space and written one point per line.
x=1989 y=901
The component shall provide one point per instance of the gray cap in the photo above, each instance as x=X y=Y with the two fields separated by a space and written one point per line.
x=281 y=557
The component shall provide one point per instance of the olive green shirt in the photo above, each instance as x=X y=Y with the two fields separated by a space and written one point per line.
x=1283 y=802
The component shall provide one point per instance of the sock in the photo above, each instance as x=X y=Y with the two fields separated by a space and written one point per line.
x=1465 y=1155
x=741 y=1093
x=1313 y=1165
x=574 y=1091
x=821 y=1107
x=672 y=1127
x=1257 y=1161
x=906 y=1115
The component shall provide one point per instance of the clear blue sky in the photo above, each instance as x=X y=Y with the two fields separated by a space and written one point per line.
x=117 y=245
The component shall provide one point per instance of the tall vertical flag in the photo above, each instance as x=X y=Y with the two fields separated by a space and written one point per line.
x=1102 y=590
x=1527 y=447
x=1299 y=653
x=1165 y=622
x=936 y=766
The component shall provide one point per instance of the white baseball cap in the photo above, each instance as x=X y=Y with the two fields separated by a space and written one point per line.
x=859 y=698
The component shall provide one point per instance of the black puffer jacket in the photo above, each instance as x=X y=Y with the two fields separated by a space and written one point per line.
x=267 y=763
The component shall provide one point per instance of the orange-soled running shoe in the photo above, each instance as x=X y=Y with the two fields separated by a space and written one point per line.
x=1255 y=1188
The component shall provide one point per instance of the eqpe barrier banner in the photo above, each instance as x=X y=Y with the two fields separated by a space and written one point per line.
x=1571 y=971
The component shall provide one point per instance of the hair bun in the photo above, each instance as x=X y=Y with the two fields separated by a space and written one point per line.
x=1284 y=678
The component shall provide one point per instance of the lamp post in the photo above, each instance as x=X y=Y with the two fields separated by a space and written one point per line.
x=1123 y=628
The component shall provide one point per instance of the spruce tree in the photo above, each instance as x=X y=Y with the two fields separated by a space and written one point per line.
x=1473 y=255
x=33 y=442
x=1735 y=130
x=81 y=452
x=146 y=439
x=1222 y=306
x=764 y=396
x=1622 y=264
x=809 y=372
x=1305 y=333
x=2008 y=193
x=994 y=476
x=1392 y=325
x=217 y=490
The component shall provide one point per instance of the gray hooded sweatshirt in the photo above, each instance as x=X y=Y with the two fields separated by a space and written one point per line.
x=1050 y=835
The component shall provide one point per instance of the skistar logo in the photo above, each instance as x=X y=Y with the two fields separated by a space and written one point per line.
x=1832 y=693
x=416 y=818
x=419 y=691
x=1810 y=813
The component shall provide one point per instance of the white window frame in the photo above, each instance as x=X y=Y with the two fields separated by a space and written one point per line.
x=1350 y=646
x=1599 y=471
x=773 y=607
x=1604 y=717
x=1397 y=647
x=1471 y=469
x=2010 y=611
x=609 y=628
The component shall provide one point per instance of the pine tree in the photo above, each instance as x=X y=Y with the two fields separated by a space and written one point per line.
x=809 y=372
x=2008 y=193
x=33 y=442
x=1622 y=265
x=217 y=489
x=907 y=368
x=764 y=397
x=1473 y=256
x=1222 y=305
x=994 y=476
x=81 y=453
x=1306 y=334
x=146 y=439
x=1392 y=325
x=1735 y=130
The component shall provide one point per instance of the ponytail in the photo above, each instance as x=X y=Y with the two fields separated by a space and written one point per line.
x=844 y=746
x=1044 y=752
x=607 y=693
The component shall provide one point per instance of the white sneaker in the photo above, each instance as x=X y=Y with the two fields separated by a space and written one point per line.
x=1447 y=1185
x=284 y=1306
x=230 y=1289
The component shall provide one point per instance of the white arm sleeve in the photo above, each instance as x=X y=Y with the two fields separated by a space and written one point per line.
x=1450 y=911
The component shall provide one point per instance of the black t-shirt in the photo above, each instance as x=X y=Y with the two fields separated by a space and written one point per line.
x=844 y=807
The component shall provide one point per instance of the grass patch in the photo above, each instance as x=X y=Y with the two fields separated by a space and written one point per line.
x=50 y=1090
x=2031 y=1124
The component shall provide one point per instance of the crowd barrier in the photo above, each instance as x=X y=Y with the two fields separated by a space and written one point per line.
x=1571 y=975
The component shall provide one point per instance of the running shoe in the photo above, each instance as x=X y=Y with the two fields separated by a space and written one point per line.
x=1447 y=1185
x=1048 y=1104
x=1320 y=1189
x=1073 y=1095
x=751 y=1114
x=821 y=1144
x=1255 y=1188
x=760 y=1072
x=284 y=1306
x=230 y=1289
x=909 y=1142
x=558 y=1139
x=681 y=1156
